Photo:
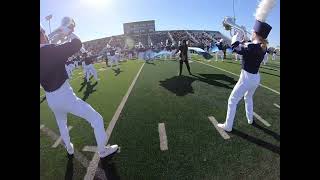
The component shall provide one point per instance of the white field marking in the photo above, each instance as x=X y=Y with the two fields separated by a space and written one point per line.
x=276 y=105
x=80 y=157
x=163 y=137
x=58 y=141
x=223 y=133
x=41 y=126
x=90 y=149
x=91 y=170
x=238 y=76
x=261 y=119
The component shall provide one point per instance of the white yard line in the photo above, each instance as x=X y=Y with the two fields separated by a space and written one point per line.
x=90 y=149
x=223 y=133
x=261 y=119
x=276 y=105
x=79 y=156
x=58 y=141
x=238 y=76
x=91 y=170
x=163 y=137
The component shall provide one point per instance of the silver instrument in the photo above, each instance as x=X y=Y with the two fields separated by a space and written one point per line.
x=62 y=33
x=229 y=24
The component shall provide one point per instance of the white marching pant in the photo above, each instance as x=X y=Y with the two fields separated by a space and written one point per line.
x=265 y=59
x=91 y=70
x=76 y=64
x=114 y=60
x=219 y=53
x=245 y=87
x=63 y=101
x=69 y=69
x=274 y=56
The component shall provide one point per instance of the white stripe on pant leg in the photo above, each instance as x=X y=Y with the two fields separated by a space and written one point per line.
x=276 y=105
x=163 y=137
x=261 y=119
x=223 y=134
x=58 y=141
x=91 y=170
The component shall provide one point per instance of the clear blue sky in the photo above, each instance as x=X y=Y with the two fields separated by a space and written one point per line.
x=100 y=18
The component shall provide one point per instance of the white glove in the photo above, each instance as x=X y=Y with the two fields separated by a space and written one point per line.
x=235 y=38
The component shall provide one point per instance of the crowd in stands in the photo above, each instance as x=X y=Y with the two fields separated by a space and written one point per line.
x=159 y=40
x=160 y=36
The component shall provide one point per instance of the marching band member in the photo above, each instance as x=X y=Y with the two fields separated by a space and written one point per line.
x=274 y=55
x=69 y=67
x=252 y=56
x=89 y=67
x=60 y=96
x=183 y=56
x=266 y=58
x=113 y=58
x=236 y=56
x=220 y=52
x=76 y=62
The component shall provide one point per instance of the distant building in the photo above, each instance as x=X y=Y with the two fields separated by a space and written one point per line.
x=139 y=27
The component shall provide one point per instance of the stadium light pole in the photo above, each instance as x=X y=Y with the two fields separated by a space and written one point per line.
x=48 y=18
x=234 y=15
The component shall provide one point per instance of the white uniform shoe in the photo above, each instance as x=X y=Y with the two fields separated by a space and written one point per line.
x=110 y=150
x=70 y=149
x=250 y=121
x=223 y=126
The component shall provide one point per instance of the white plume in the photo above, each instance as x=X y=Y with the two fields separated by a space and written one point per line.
x=263 y=9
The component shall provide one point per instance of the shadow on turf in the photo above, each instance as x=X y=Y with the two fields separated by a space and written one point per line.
x=267 y=131
x=256 y=141
x=116 y=71
x=179 y=85
x=110 y=170
x=269 y=73
x=89 y=90
x=263 y=67
x=211 y=78
x=69 y=170
x=84 y=83
x=148 y=62
x=43 y=99
x=273 y=65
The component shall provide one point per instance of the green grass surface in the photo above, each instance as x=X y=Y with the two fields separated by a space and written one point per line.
x=196 y=149
x=104 y=99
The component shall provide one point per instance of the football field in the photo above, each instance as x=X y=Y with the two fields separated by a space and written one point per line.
x=166 y=128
